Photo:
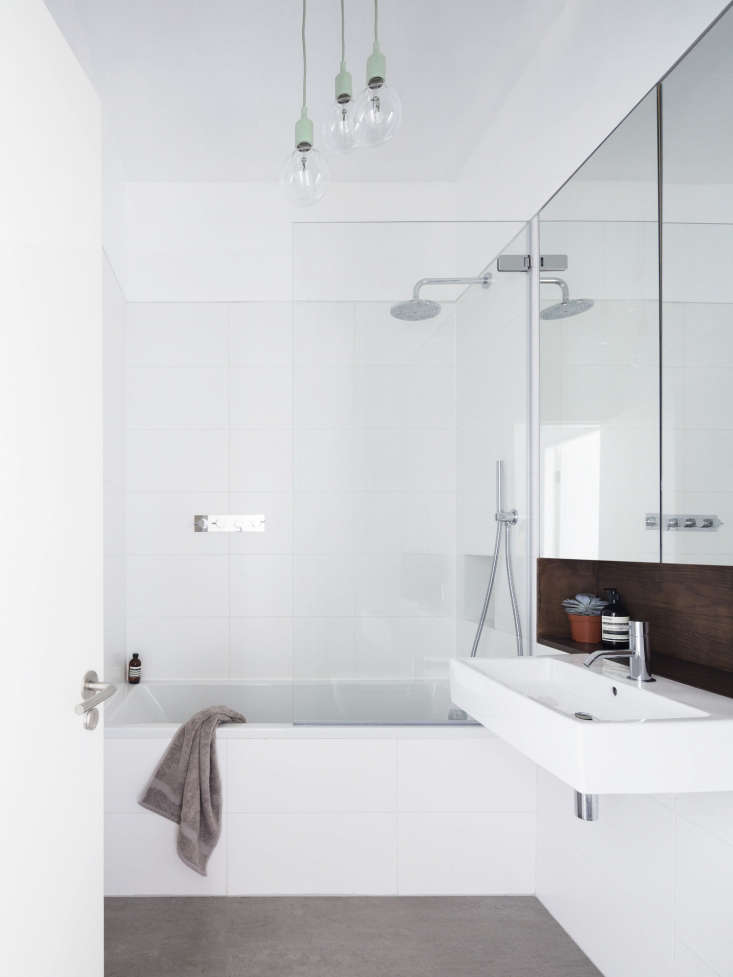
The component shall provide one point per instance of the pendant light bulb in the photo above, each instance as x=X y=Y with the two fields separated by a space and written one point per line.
x=378 y=109
x=305 y=174
x=340 y=129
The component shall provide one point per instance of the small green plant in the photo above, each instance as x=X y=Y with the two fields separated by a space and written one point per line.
x=584 y=605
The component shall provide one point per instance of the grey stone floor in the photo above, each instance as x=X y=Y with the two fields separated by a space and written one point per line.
x=333 y=937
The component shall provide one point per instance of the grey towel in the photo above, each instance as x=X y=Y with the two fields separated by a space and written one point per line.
x=186 y=787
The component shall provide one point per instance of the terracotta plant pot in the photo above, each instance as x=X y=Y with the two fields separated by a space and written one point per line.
x=585 y=628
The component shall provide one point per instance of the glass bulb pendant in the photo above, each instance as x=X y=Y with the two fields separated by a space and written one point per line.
x=341 y=131
x=378 y=110
x=305 y=176
x=377 y=115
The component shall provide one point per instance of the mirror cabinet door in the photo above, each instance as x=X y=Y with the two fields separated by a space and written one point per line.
x=599 y=353
x=697 y=309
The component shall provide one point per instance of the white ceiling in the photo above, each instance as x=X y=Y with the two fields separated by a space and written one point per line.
x=207 y=91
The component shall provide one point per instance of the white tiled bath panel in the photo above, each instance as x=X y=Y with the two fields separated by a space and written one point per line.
x=368 y=812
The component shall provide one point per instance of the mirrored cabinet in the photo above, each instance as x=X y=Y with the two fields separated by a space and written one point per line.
x=636 y=336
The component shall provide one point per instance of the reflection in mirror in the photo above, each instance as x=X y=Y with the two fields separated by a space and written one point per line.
x=599 y=346
x=697 y=450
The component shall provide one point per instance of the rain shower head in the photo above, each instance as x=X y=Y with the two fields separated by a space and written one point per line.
x=566 y=307
x=417 y=309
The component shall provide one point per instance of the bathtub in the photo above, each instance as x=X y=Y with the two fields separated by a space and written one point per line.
x=417 y=702
x=338 y=788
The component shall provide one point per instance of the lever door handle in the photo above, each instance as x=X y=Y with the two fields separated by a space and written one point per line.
x=94 y=693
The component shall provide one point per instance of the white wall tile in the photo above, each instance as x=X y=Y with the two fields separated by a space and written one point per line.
x=324 y=334
x=312 y=775
x=176 y=397
x=260 y=332
x=162 y=523
x=176 y=334
x=260 y=461
x=464 y=775
x=703 y=903
x=404 y=396
x=688 y=964
x=404 y=647
x=405 y=522
x=141 y=859
x=712 y=812
x=324 y=647
x=339 y=853
x=324 y=586
x=626 y=859
x=323 y=522
x=466 y=854
x=261 y=586
x=261 y=396
x=324 y=395
x=261 y=647
x=381 y=339
x=323 y=460
x=180 y=647
x=277 y=508
x=382 y=651
x=177 y=461
x=170 y=586
x=115 y=640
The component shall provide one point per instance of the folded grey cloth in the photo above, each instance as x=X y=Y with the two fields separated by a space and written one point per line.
x=186 y=787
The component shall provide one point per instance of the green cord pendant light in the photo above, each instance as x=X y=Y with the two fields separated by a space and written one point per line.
x=305 y=174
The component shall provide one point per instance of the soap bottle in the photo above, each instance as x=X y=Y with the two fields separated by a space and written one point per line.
x=614 y=621
x=134 y=669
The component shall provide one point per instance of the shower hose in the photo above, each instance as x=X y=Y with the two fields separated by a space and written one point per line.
x=504 y=522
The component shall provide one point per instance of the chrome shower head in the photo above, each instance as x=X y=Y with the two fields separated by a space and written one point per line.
x=415 y=310
x=418 y=310
x=566 y=307
x=564 y=310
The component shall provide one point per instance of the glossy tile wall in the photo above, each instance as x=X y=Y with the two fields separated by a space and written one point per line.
x=374 y=492
x=645 y=889
x=492 y=391
x=337 y=423
x=209 y=430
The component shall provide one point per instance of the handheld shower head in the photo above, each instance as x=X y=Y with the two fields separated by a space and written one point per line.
x=566 y=307
x=417 y=309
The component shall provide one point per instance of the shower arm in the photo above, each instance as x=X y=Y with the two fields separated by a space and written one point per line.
x=561 y=283
x=484 y=280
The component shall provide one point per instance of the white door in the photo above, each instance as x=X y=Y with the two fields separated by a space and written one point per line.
x=50 y=501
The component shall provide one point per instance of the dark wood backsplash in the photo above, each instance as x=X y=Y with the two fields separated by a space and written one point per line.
x=689 y=609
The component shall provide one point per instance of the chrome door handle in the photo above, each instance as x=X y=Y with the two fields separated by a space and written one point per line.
x=94 y=693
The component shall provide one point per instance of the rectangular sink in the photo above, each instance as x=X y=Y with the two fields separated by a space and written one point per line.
x=596 y=729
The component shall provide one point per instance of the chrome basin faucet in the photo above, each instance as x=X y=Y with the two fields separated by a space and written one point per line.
x=639 y=653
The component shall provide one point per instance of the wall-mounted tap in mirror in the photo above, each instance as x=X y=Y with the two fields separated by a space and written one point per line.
x=697 y=301
x=599 y=353
x=636 y=381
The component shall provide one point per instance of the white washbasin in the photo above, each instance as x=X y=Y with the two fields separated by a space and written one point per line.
x=662 y=737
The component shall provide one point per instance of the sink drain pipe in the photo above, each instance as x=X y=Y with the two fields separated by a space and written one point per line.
x=586 y=806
